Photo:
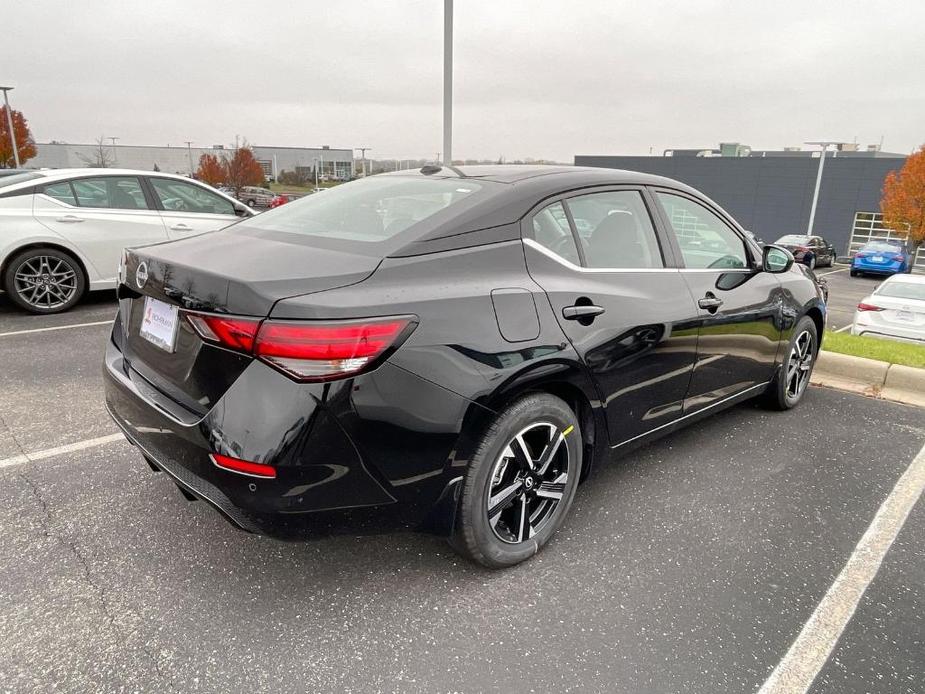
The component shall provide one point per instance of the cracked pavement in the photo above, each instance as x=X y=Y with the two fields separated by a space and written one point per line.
x=687 y=566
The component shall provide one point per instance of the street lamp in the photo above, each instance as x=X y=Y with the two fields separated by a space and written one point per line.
x=189 y=152
x=363 y=151
x=448 y=82
x=812 y=211
x=9 y=122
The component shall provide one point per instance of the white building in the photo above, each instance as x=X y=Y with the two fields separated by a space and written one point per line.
x=334 y=163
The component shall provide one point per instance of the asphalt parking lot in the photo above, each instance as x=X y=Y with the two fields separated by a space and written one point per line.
x=688 y=566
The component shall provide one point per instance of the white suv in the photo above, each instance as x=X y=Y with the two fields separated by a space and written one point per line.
x=62 y=231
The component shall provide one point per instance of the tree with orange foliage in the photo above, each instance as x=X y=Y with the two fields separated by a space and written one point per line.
x=242 y=170
x=903 y=203
x=211 y=170
x=25 y=145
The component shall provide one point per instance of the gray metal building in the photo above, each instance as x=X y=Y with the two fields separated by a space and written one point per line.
x=771 y=193
x=333 y=163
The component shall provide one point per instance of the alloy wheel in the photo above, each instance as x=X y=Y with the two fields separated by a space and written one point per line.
x=527 y=482
x=46 y=282
x=800 y=364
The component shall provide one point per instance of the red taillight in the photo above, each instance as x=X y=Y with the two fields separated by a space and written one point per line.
x=311 y=351
x=898 y=257
x=231 y=332
x=802 y=249
x=243 y=467
x=868 y=307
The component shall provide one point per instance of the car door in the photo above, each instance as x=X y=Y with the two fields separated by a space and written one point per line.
x=188 y=208
x=625 y=309
x=100 y=215
x=739 y=307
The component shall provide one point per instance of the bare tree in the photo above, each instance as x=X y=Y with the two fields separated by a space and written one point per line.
x=101 y=157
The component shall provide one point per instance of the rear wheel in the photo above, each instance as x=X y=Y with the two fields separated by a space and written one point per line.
x=44 y=280
x=792 y=377
x=251 y=203
x=520 y=482
x=811 y=263
x=854 y=273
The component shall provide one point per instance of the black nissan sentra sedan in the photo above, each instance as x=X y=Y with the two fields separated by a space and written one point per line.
x=450 y=349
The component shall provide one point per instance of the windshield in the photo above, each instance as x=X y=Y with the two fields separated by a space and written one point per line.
x=18 y=178
x=882 y=246
x=793 y=238
x=903 y=290
x=373 y=210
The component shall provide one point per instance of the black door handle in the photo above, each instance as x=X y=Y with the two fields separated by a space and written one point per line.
x=579 y=312
x=710 y=302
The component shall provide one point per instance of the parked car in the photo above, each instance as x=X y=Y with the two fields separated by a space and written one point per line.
x=812 y=251
x=280 y=199
x=11 y=172
x=256 y=197
x=881 y=258
x=895 y=309
x=62 y=231
x=444 y=350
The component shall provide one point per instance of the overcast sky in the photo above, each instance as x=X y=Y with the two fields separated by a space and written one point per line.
x=533 y=78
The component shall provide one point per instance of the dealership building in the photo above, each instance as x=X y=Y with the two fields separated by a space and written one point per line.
x=336 y=164
x=771 y=192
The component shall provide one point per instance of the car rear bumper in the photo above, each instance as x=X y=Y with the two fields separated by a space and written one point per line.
x=913 y=335
x=313 y=434
x=876 y=268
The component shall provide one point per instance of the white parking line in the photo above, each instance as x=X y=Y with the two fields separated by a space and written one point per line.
x=59 y=450
x=815 y=643
x=841 y=330
x=57 y=327
x=823 y=274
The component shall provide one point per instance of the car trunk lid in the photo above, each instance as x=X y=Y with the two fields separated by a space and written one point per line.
x=224 y=273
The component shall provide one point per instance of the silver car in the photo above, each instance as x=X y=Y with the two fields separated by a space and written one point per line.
x=62 y=231
x=256 y=197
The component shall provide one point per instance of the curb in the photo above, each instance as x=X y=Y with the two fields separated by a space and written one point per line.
x=877 y=379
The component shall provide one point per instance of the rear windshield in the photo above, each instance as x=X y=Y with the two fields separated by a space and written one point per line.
x=793 y=238
x=882 y=246
x=18 y=178
x=903 y=290
x=374 y=213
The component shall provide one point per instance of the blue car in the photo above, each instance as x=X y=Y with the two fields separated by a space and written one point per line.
x=881 y=258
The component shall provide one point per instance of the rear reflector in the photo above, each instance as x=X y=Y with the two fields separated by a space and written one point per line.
x=243 y=467
x=313 y=351
x=232 y=332
x=869 y=307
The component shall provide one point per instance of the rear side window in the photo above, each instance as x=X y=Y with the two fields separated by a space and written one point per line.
x=372 y=210
x=615 y=230
x=902 y=290
x=110 y=192
x=552 y=231
x=706 y=241
x=62 y=192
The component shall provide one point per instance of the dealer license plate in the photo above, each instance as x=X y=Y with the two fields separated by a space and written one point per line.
x=159 y=324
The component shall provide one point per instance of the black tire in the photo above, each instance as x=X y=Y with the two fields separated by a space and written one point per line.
x=54 y=291
x=811 y=263
x=853 y=273
x=508 y=541
x=251 y=203
x=780 y=395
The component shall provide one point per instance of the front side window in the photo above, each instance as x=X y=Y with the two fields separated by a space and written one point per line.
x=706 y=241
x=615 y=230
x=551 y=230
x=180 y=196
x=61 y=192
x=110 y=192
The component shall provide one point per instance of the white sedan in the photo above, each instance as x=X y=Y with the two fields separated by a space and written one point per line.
x=62 y=231
x=895 y=310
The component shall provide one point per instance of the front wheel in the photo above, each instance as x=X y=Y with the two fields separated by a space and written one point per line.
x=44 y=280
x=811 y=263
x=792 y=378
x=520 y=483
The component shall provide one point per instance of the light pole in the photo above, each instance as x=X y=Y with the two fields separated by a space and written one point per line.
x=115 y=157
x=363 y=151
x=9 y=122
x=812 y=210
x=189 y=152
x=448 y=81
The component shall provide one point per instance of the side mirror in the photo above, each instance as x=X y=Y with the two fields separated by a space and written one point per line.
x=776 y=260
x=240 y=209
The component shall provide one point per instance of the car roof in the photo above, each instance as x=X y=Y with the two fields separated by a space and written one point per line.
x=58 y=174
x=910 y=279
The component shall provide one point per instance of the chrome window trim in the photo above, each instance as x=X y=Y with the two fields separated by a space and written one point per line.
x=577 y=268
